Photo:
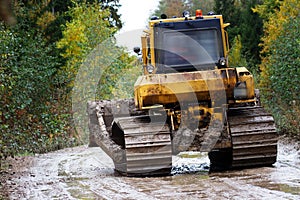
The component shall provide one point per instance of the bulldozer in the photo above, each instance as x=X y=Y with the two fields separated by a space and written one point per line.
x=188 y=99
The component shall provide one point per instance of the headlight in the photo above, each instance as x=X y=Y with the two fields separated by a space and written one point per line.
x=150 y=69
x=222 y=62
x=186 y=14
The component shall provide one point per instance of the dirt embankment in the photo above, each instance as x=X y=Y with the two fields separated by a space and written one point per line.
x=87 y=173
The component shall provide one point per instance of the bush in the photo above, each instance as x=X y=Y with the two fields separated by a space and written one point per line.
x=282 y=87
x=31 y=120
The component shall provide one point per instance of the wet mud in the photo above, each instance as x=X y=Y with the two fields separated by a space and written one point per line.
x=87 y=173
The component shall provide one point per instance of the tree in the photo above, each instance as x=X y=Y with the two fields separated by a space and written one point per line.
x=227 y=9
x=251 y=31
x=235 y=55
x=26 y=95
x=244 y=22
x=280 y=13
x=52 y=15
x=280 y=64
x=205 y=6
x=170 y=8
x=113 y=6
x=176 y=7
x=87 y=28
x=267 y=8
x=6 y=12
x=36 y=76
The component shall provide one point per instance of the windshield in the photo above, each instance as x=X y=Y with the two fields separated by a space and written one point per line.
x=190 y=47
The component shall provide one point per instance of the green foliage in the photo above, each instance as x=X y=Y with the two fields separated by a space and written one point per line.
x=176 y=7
x=36 y=77
x=88 y=29
x=94 y=63
x=268 y=8
x=117 y=80
x=251 y=30
x=273 y=25
x=228 y=10
x=124 y=85
x=280 y=64
x=282 y=91
x=112 y=6
x=244 y=22
x=170 y=8
x=205 y=6
x=235 y=55
x=51 y=15
x=285 y=59
x=27 y=69
x=81 y=35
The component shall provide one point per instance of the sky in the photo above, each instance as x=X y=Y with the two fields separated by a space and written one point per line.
x=134 y=15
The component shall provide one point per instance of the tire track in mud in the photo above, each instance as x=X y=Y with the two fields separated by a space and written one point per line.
x=87 y=173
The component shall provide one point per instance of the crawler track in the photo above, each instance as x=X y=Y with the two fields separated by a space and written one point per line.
x=139 y=145
x=147 y=145
x=254 y=137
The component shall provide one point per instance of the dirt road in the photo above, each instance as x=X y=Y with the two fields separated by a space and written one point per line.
x=87 y=173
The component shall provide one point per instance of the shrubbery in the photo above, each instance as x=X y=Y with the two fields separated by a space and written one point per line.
x=38 y=69
x=31 y=118
x=281 y=86
x=280 y=74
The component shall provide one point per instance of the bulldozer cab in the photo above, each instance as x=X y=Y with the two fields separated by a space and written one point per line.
x=185 y=44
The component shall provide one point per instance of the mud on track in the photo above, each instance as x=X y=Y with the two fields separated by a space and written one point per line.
x=87 y=173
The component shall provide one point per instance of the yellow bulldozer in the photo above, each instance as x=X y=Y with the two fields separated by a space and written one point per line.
x=188 y=99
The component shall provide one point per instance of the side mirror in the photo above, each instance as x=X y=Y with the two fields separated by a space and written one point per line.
x=137 y=50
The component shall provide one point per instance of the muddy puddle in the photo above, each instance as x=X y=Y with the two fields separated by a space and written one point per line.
x=87 y=173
